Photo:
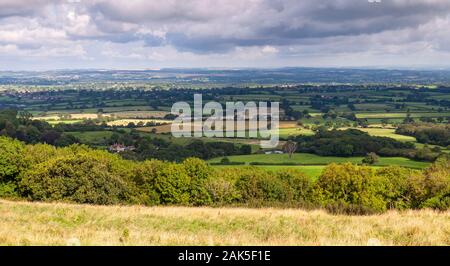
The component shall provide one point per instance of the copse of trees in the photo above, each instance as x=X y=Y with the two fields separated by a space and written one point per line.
x=353 y=142
x=429 y=133
x=19 y=125
x=80 y=174
x=149 y=147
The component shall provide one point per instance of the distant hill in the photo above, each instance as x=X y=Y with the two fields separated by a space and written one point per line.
x=226 y=77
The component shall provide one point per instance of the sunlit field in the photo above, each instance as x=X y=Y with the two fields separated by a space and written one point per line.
x=68 y=224
x=312 y=159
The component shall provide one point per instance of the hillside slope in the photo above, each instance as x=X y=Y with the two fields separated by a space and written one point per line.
x=23 y=223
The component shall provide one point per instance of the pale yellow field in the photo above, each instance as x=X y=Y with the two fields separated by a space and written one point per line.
x=159 y=129
x=124 y=115
x=125 y=122
x=72 y=116
x=24 y=223
x=140 y=114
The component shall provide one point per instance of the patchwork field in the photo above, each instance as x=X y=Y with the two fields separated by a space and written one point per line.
x=68 y=224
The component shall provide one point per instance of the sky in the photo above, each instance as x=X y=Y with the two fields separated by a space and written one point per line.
x=152 y=34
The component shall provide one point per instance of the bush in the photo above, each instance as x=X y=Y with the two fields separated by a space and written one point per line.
x=222 y=190
x=437 y=184
x=300 y=186
x=396 y=184
x=172 y=183
x=349 y=209
x=11 y=159
x=371 y=158
x=8 y=190
x=225 y=160
x=143 y=176
x=81 y=178
x=348 y=184
x=198 y=172
x=257 y=186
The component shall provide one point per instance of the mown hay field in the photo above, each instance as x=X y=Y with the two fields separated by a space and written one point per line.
x=25 y=223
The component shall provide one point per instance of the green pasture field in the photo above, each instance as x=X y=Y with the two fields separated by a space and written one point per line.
x=91 y=137
x=313 y=159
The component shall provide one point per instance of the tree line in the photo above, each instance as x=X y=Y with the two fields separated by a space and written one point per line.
x=428 y=133
x=79 y=174
x=353 y=142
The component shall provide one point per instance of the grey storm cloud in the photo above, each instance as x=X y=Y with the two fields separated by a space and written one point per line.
x=232 y=23
x=249 y=23
x=155 y=29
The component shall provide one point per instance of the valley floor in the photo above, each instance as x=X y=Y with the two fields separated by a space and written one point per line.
x=23 y=223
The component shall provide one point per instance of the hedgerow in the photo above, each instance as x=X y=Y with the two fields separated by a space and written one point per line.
x=80 y=174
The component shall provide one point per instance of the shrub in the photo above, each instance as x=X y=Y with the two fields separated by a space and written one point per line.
x=371 y=158
x=8 y=190
x=38 y=153
x=396 y=186
x=11 y=159
x=257 y=186
x=221 y=185
x=143 y=176
x=349 y=209
x=198 y=172
x=222 y=190
x=172 y=183
x=300 y=186
x=348 y=184
x=81 y=178
x=437 y=184
x=225 y=160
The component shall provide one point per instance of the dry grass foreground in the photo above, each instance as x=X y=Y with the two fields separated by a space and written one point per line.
x=24 y=223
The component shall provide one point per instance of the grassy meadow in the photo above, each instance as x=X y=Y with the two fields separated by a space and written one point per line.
x=313 y=159
x=69 y=224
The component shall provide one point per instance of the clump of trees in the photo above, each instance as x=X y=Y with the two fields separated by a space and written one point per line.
x=80 y=174
x=353 y=142
x=21 y=126
x=429 y=133
x=371 y=158
x=148 y=147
